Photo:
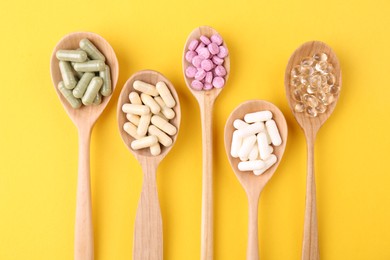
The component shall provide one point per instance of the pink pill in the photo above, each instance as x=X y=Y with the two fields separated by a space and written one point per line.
x=205 y=40
x=209 y=77
x=217 y=60
x=207 y=86
x=223 y=52
x=207 y=65
x=213 y=48
x=190 y=55
x=200 y=74
x=218 y=82
x=220 y=71
x=193 y=44
x=191 y=71
x=200 y=46
x=216 y=38
x=197 y=85
x=197 y=60
x=204 y=52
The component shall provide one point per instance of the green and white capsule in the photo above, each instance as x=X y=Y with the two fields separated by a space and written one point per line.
x=92 y=90
x=82 y=85
x=67 y=75
x=71 y=55
x=106 y=76
x=91 y=50
x=67 y=93
x=90 y=66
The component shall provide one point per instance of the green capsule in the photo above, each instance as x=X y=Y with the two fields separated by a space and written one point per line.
x=71 y=55
x=106 y=76
x=90 y=66
x=98 y=99
x=67 y=93
x=67 y=75
x=91 y=50
x=92 y=90
x=82 y=85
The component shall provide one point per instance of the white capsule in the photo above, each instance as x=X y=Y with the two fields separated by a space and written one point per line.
x=247 y=145
x=268 y=163
x=244 y=159
x=260 y=116
x=262 y=144
x=155 y=149
x=134 y=119
x=252 y=129
x=254 y=154
x=162 y=137
x=131 y=130
x=135 y=109
x=144 y=142
x=273 y=132
x=238 y=124
x=251 y=165
x=165 y=94
x=134 y=98
x=145 y=88
x=143 y=125
x=164 y=125
x=236 y=144
x=166 y=111
x=268 y=137
x=151 y=103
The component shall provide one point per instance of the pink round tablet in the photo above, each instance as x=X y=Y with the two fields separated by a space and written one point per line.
x=209 y=77
x=204 y=52
x=205 y=40
x=213 y=48
x=223 y=52
x=200 y=46
x=197 y=85
x=190 y=55
x=218 y=82
x=216 y=38
x=197 y=60
x=207 y=86
x=207 y=65
x=220 y=71
x=193 y=44
x=217 y=60
x=190 y=72
x=200 y=74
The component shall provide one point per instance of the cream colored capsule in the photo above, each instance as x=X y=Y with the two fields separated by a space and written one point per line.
x=143 y=125
x=136 y=109
x=151 y=103
x=169 y=113
x=91 y=50
x=268 y=163
x=134 y=119
x=67 y=75
x=144 y=142
x=162 y=137
x=67 y=93
x=155 y=149
x=273 y=132
x=251 y=165
x=164 y=125
x=260 y=116
x=145 y=88
x=162 y=116
x=131 y=130
x=165 y=94
x=134 y=98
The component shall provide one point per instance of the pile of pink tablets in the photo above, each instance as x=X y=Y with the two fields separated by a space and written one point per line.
x=206 y=57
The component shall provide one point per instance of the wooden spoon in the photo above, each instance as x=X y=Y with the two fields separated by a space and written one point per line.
x=310 y=126
x=252 y=184
x=206 y=101
x=84 y=118
x=148 y=232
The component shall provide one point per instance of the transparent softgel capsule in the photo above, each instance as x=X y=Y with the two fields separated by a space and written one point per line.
x=299 y=107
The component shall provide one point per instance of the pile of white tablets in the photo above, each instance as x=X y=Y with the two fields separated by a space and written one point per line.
x=252 y=142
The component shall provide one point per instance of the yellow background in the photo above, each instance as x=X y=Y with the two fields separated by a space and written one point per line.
x=38 y=142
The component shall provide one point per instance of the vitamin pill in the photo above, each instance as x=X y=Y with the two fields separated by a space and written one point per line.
x=106 y=76
x=136 y=109
x=220 y=71
x=98 y=99
x=134 y=119
x=131 y=130
x=213 y=48
x=207 y=65
x=82 y=85
x=144 y=142
x=209 y=77
x=92 y=90
x=91 y=50
x=151 y=103
x=67 y=93
x=67 y=75
x=135 y=98
x=216 y=38
x=205 y=40
x=162 y=137
x=218 y=82
x=197 y=85
x=262 y=143
x=145 y=88
x=251 y=129
x=254 y=154
x=247 y=145
x=190 y=72
x=251 y=165
x=190 y=55
x=260 y=116
x=273 y=132
x=90 y=66
x=207 y=86
x=166 y=111
x=164 y=125
x=268 y=163
x=204 y=53
x=143 y=125
x=200 y=46
x=236 y=144
x=200 y=74
x=193 y=44
x=197 y=60
x=165 y=94
x=238 y=124
x=155 y=149
x=71 y=55
x=223 y=52
x=217 y=60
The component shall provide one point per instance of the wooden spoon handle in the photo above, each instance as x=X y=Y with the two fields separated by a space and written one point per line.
x=253 y=237
x=310 y=250
x=207 y=250
x=83 y=226
x=148 y=233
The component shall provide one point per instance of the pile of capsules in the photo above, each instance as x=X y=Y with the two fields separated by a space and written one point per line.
x=85 y=76
x=149 y=113
x=314 y=85
x=252 y=139
x=206 y=58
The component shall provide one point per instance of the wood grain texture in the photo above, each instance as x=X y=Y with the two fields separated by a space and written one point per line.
x=148 y=231
x=206 y=101
x=310 y=126
x=252 y=184
x=84 y=118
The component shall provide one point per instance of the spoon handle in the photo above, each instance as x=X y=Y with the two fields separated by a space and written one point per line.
x=206 y=110
x=83 y=226
x=310 y=250
x=148 y=233
x=253 y=237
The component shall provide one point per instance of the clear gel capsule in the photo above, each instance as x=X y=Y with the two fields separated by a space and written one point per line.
x=82 y=85
x=67 y=93
x=91 y=50
x=92 y=90
x=67 y=75
x=71 y=55
x=90 y=66
x=105 y=74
